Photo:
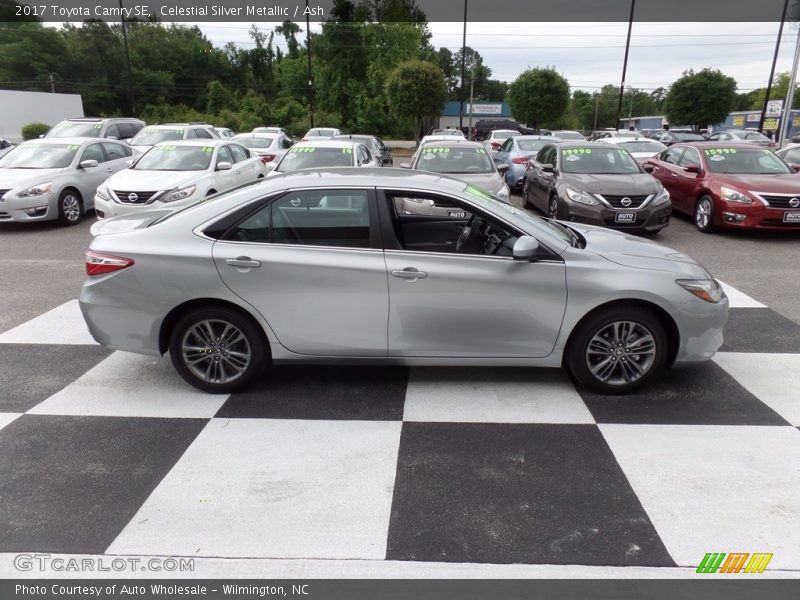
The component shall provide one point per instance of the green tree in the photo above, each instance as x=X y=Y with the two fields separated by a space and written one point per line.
x=219 y=98
x=701 y=99
x=538 y=97
x=34 y=130
x=289 y=29
x=416 y=91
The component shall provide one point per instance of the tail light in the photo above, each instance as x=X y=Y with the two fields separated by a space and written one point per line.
x=520 y=160
x=496 y=145
x=266 y=158
x=100 y=264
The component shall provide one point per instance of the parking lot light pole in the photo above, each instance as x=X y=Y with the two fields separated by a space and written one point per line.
x=310 y=77
x=127 y=60
x=463 y=70
x=625 y=64
x=786 y=118
x=772 y=70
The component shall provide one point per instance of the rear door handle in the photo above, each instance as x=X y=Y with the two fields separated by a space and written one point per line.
x=243 y=262
x=409 y=274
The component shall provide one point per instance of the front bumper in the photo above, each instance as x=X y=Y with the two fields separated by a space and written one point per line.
x=700 y=328
x=650 y=218
x=43 y=208
x=754 y=216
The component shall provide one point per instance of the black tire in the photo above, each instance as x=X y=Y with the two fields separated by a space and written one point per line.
x=215 y=354
x=210 y=193
x=622 y=362
x=525 y=202
x=70 y=207
x=704 y=203
x=551 y=204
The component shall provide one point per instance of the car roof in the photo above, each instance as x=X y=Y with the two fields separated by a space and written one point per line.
x=180 y=125
x=533 y=136
x=579 y=144
x=69 y=140
x=626 y=139
x=354 y=136
x=330 y=143
x=196 y=142
x=457 y=143
x=254 y=134
x=100 y=119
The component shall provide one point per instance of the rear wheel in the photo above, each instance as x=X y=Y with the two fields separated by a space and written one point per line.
x=704 y=214
x=70 y=207
x=217 y=349
x=618 y=350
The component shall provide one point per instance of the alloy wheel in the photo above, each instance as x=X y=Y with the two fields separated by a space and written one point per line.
x=702 y=215
x=621 y=352
x=552 y=208
x=71 y=208
x=216 y=351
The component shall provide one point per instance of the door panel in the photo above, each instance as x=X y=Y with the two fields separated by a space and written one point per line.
x=473 y=306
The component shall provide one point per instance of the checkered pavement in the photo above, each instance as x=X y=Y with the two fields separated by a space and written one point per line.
x=112 y=453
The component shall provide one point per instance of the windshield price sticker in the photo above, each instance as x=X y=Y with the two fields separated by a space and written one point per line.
x=151 y=130
x=208 y=148
x=720 y=151
x=301 y=150
x=73 y=146
x=480 y=151
x=478 y=193
x=572 y=157
x=347 y=150
x=98 y=126
x=164 y=148
x=434 y=150
x=576 y=151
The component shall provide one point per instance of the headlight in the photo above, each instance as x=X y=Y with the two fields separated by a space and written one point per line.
x=732 y=195
x=37 y=190
x=581 y=197
x=705 y=289
x=661 y=198
x=102 y=192
x=178 y=194
x=503 y=193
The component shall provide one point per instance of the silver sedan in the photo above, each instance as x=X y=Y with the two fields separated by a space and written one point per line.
x=56 y=178
x=321 y=266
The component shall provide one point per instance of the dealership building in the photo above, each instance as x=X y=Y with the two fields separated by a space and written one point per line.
x=743 y=119
x=479 y=110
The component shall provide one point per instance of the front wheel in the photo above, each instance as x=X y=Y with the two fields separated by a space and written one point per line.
x=704 y=214
x=217 y=350
x=70 y=207
x=618 y=350
x=552 y=207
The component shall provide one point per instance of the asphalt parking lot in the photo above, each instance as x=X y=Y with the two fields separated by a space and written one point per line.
x=397 y=471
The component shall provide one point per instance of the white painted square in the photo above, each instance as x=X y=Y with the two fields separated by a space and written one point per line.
x=772 y=378
x=473 y=395
x=61 y=325
x=716 y=488
x=739 y=299
x=276 y=489
x=132 y=385
x=6 y=418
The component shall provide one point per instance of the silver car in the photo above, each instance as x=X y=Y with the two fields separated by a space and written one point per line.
x=56 y=178
x=320 y=266
x=515 y=153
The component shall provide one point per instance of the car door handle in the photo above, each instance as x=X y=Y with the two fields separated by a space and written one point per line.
x=243 y=262
x=409 y=274
x=674 y=174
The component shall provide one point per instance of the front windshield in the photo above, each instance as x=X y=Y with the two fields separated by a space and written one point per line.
x=598 y=161
x=175 y=158
x=530 y=220
x=568 y=135
x=312 y=157
x=254 y=142
x=532 y=145
x=75 y=129
x=688 y=137
x=756 y=136
x=643 y=146
x=33 y=155
x=320 y=133
x=743 y=161
x=443 y=159
x=150 y=136
x=502 y=134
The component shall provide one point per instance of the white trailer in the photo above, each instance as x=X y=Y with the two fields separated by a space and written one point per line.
x=17 y=109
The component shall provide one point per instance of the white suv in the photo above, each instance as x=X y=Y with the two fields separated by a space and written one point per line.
x=169 y=132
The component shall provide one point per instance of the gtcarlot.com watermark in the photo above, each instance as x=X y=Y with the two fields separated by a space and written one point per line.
x=99 y=564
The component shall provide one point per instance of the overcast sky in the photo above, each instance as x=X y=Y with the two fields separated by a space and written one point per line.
x=590 y=55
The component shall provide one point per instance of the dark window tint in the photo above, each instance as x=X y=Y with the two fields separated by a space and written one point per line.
x=112 y=131
x=125 y=130
x=239 y=153
x=690 y=157
x=93 y=152
x=224 y=155
x=114 y=151
x=202 y=133
x=672 y=155
x=792 y=156
x=310 y=218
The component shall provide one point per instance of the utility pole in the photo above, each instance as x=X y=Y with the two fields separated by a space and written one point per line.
x=786 y=118
x=52 y=84
x=127 y=60
x=310 y=76
x=630 y=110
x=596 y=106
x=772 y=70
x=625 y=64
x=463 y=68
x=471 y=100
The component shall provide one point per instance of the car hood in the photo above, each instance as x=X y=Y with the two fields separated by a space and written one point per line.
x=636 y=183
x=491 y=182
x=151 y=181
x=786 y=184
x=639 y=253
x=13 y=178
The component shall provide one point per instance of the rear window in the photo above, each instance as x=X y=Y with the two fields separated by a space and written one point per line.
x=150 y=136
x=532 y=145
x=310 y=157
x=75 y=129
x=254 y=142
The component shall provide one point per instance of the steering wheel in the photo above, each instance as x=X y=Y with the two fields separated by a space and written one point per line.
x=468 y=239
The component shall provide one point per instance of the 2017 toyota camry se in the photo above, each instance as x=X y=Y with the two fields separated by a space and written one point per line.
x=323 y=266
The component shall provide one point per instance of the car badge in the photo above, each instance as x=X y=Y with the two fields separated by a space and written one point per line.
x=295 y=202
x=133 y=197
x=794 y=202
x=625 y=201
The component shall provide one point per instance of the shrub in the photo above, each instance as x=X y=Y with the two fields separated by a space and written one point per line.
x=34 y=130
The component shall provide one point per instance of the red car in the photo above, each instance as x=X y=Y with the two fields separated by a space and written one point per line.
x=729 y=185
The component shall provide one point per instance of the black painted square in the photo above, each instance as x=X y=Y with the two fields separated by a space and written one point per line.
x=760 y=330
x=31 y=373
x=502 y=493
x=698 y=395
x=323 y=392
x=71 y=484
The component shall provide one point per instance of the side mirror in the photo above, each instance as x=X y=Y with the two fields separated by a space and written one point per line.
x=502 y=168
x=129 y=162
x=405 y=165
x=88 y=164
x=795 y=167
x=693 y=169
x=224 y=166
x=525 y=247
x=648 y=168
x=548 y=168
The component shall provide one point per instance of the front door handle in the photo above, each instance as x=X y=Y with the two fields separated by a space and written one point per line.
x=243 y=262
x=409 y=274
